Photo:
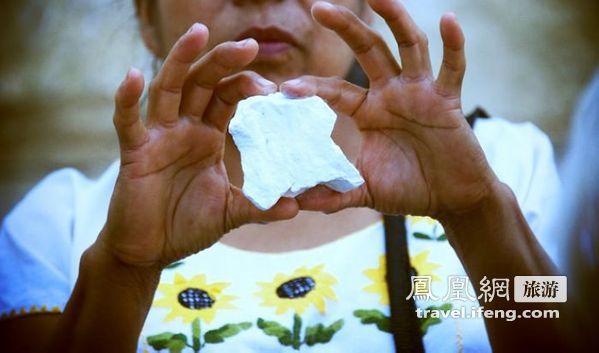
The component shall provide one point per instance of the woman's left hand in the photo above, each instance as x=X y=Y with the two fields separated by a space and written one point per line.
x=418 y=154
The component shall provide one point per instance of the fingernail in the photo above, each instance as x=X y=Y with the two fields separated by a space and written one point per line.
x=267 y=86
x=243 y=43
x=292 y=88
x=195 y=27
x=326 y=5
x=132 y=72
x=293 y=83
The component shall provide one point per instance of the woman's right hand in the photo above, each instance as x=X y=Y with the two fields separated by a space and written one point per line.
x=172 y=197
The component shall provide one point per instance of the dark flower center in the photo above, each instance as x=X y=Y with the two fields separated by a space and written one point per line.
x=296 y=288
x=195 y=299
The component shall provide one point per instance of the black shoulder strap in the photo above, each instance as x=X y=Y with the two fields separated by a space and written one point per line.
x=478 y=113
x=404 y=323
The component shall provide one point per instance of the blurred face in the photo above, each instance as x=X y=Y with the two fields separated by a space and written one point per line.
x=291 y=42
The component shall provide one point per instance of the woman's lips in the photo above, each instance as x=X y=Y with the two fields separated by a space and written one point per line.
x=274 y=42
x=272 y=49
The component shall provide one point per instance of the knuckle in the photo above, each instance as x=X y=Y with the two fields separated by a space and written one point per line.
x=243 y=82
x=248 y=86
x=222 y=55
x=378 y=41
x=334 y=81
x=407 y=41
x=364 y=46
x=453 y=65
x=246 y=77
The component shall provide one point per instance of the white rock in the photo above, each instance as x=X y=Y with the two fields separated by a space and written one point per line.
x=286 y=148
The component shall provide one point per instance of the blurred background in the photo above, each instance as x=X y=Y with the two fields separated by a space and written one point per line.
x=61 y=61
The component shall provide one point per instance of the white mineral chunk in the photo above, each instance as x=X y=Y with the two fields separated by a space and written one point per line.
x=286 y=148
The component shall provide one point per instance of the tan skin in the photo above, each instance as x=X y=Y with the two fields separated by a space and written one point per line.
x=173 y=196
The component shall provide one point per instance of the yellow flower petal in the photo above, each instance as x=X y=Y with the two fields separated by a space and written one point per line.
x=417 y=219
x=423 y=266
x=379 y=282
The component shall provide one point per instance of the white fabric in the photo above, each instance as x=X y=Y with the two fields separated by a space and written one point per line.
x=42 y=239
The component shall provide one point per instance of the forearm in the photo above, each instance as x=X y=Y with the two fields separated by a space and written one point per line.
x=108 y=305
x=494 y=240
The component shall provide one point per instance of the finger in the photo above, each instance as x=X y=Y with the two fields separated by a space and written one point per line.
x=370 y=49
x=412 y=42
x=127 y=120
x=451 y=74
x=241 y=211
x=230 y=91
x=165 y=89
x=344 y=97
x=224 y=60
x=323 y=199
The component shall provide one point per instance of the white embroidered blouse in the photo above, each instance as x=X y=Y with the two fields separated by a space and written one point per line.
x=332 y=298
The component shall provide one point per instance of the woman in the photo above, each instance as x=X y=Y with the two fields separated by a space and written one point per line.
x=310 y=279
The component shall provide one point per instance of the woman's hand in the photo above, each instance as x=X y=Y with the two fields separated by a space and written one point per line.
x=172 y=197
x=418 y=154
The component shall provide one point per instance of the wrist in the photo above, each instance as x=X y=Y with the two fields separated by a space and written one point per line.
x=497 y=198
x=86 y=325
x=496 y=209
x=100 y=265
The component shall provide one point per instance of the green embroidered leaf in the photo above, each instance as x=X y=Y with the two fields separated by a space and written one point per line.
x=321 y=334
x=175 y=343
x=160 y=341
x=174 y=265
x=273 y=328
x=442 y=237
x=444 y=307
x=422 y=236
x=196 y=333
x=425 y=323
x=229 y=330
x=382 y=322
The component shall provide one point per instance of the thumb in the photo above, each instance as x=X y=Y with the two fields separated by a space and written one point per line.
x=241 y=211
x=320 y=198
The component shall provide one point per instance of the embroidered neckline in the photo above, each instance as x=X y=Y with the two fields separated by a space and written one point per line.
x=335 y=243
x=34 y=309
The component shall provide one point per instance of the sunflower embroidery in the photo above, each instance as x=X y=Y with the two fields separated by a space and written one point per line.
x=297 y=292
x=379 y=287
x=194 y=301
x=377 y=275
